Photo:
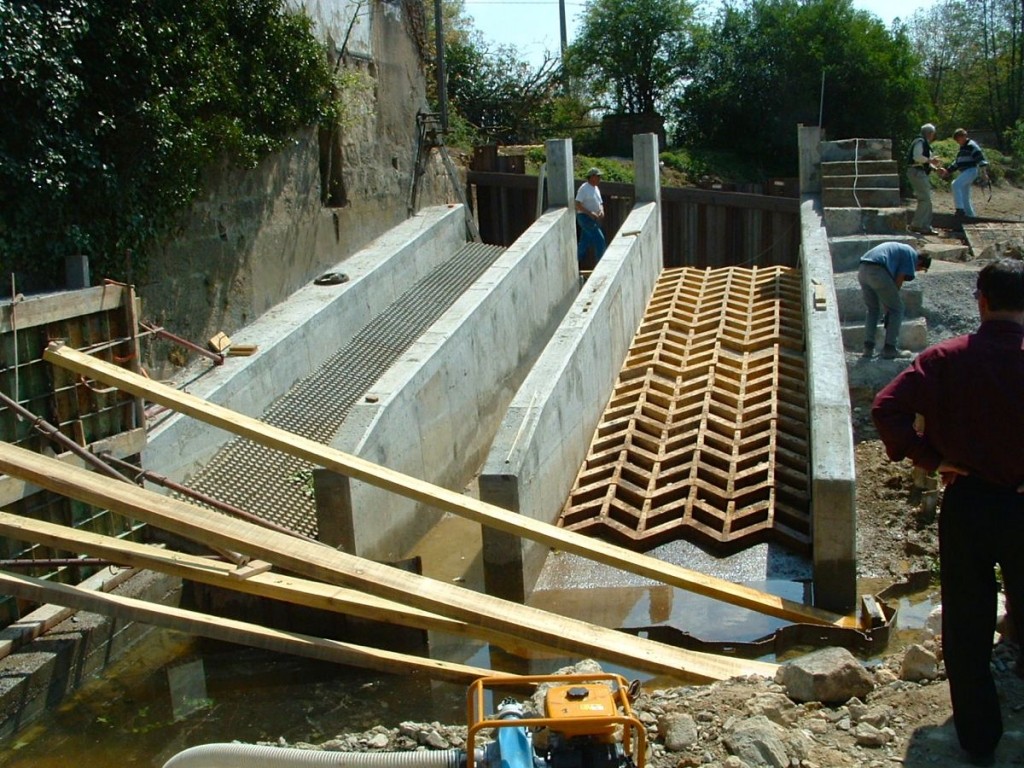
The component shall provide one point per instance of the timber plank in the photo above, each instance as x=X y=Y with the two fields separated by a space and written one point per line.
x=321 y=562
x=229 y=630
x=34 y=311
x=438 y=497
x=276 y=586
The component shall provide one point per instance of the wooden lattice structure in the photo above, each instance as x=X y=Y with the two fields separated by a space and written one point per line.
x=705 y=435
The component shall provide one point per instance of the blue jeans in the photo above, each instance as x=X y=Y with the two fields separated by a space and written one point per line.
x=962 y=190
x=591 y=234
x=880 y=292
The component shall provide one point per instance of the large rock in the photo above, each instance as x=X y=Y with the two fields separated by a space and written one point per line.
x=831 y=675
x=919 y=664
x=757 y=741
x=775 y=706
x=678 y=730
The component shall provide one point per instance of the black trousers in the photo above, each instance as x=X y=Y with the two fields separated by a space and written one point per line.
x=980 y=525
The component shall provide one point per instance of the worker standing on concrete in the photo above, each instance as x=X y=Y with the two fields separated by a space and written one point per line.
x=970 y=162
x=920 y=164
x=883 y=270
x=968 y=391
x=589 y=216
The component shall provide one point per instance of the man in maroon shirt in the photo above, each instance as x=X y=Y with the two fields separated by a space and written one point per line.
x=970 y=391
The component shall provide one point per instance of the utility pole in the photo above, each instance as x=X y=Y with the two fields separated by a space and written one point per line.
x=442 y=75
x=561 y=21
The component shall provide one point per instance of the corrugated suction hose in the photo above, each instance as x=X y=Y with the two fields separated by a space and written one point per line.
x=248 y=755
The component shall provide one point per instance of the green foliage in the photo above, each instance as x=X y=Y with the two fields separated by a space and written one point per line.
x=112 y=108
x=611 y=170
x=503 y=98
x=752 y=85
x=629 y=53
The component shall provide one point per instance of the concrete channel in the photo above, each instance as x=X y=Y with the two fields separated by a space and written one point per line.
x=504 y=365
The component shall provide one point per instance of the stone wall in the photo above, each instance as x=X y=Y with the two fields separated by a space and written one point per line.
x=255 y=236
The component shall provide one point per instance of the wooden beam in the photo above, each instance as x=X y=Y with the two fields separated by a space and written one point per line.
x=120 y=446
x=46 y=617
x=441 y=498
x=34 y=311
x=276 y=586
x=320 y=562
x=231 y=631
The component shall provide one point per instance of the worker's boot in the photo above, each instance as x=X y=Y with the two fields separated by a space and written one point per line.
x=891 y=353
x=869 y=351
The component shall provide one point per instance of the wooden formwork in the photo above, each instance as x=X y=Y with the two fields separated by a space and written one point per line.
x=705 y=435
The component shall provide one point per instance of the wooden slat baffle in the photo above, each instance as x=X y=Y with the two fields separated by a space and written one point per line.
x=321 y=562
x=442 y=498
x=705 y=436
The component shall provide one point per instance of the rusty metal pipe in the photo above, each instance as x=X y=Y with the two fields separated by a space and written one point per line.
x=217 y=357
x=49 y=431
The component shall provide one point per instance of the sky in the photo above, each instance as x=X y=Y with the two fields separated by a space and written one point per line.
x=532 y=27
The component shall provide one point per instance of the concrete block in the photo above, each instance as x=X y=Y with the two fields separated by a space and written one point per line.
x=856 y=149
x=298 y=335
x=862 y=197
x=859 y=168
x=851 y=302
x=547 y=430
x=436 y=410
x=832 y=470
x=862 y=180
x=843 y=222
x=913 y=335
x=846 y=251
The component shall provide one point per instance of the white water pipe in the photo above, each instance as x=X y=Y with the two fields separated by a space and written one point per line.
x=248 y=755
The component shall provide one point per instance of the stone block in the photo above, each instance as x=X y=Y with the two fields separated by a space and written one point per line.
x=913 y=336
x=844 y=222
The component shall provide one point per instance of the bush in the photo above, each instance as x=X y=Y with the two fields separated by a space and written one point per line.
x=112 y=108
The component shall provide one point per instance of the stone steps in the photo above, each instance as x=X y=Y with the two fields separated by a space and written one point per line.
x=913 y=335
x=856 y=150
x=862 y=181
x=847 y=250
x=842 y=222
x=859 y=168
x=868 y=197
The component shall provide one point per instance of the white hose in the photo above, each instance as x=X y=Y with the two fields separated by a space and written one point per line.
x=249 y=755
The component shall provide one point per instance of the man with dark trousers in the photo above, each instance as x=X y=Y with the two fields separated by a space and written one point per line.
x=883 y=270
x=968 y=389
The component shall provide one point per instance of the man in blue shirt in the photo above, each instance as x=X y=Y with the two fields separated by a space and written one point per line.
x=969 y=162
x=883 y=270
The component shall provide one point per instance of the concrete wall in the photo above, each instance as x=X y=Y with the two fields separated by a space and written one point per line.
x=436 y=410
x=298 y=335
x=833 y=476
x=547 y=430
x=255 y=236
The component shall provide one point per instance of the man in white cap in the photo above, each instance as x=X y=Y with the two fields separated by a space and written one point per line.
x=920 y=164
x=589 y=215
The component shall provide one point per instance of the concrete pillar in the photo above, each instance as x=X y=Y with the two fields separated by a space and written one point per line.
x=560 y=191
x=646 y=168
x=333 y=507
x=809 y=143
x=76 y=272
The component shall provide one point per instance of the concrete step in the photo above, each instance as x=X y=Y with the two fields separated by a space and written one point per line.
x=846 y=251
x=850 y=302
x=856 y=149
x=841 y=222
x=867 y=197
x=859 y=167
x=913 y=336
x=860 y=181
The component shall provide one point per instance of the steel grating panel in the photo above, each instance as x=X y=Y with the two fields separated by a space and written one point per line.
x=705 y=435
x=278 y=487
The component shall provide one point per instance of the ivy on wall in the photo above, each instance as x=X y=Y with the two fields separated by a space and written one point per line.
x=112 y=108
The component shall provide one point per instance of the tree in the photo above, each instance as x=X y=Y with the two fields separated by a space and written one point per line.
x=631 y=52
x=112 y=109
x=767 y=65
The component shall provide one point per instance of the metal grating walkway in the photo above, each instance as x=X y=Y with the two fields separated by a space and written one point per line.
x=279 y=487
x=705 y=436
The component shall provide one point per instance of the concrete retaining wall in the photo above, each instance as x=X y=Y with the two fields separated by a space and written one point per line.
x=435 y=411
x=547 y=431
x=833 y=476
x=298 y=335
